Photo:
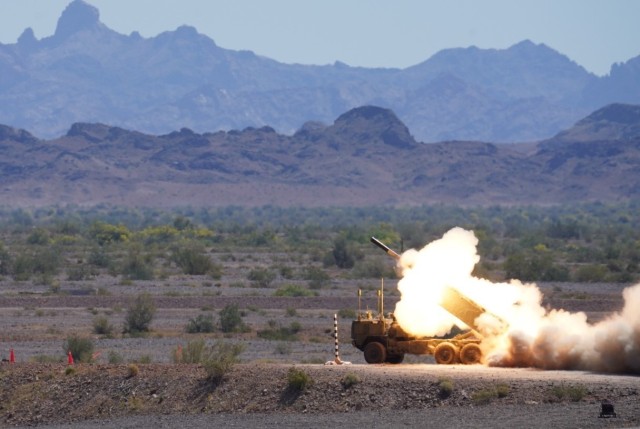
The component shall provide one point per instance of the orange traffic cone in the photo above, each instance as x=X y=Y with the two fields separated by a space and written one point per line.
x=12 y=356
x=69 y=358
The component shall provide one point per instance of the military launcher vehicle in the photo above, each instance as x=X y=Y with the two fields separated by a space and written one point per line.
x=382 y=339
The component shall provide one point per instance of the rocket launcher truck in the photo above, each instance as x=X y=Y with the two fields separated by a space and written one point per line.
x=382 y=339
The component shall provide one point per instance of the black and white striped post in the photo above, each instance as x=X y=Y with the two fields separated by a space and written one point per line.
x=335 y=334
x=336 y=360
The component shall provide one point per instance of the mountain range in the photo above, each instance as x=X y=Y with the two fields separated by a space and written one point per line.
x=367 y=156
x=88 y=73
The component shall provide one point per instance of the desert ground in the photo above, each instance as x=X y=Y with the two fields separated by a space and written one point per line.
x=39 y=390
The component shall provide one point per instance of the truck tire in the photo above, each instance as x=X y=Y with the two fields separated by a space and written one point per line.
x=395 y=358
x=470 y=354
x=445 y=353
x=375 y=352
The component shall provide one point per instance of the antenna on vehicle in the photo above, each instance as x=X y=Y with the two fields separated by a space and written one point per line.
x=359 y=303
x=381 y=298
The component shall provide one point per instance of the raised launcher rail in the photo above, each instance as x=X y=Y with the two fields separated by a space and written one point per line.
x=382 y=339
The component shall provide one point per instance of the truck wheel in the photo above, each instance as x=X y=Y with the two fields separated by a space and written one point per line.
x=395 y=358
x=445 y=353
x=375 y=352
x=470 y=354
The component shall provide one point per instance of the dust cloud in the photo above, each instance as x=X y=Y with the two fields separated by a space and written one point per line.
x=516 y=329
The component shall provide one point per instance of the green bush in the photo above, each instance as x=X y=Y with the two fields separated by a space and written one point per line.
x=291 y=312
x=137 y=266
x=191 y=260
x=78 y=273
x=104 y=233
x=349 y=380
x=574 y=393
x=194 y=352
x=44 y=261
x=484 y=396
x=261 y=277
x=220 y=358
x=114 y=357
x=139 y=315
x=445 y=387
x=203 y=323
x=317 y=277
x=101 y=326
x=591 y=273
x=81 y=348
x=231 y=319
x=275 y=332
x=293 y=290
x=5 y=260
x=347 y=313
x=298 y=380
x=502 y=390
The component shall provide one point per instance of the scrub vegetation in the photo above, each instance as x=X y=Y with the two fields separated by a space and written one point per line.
x=581 y=243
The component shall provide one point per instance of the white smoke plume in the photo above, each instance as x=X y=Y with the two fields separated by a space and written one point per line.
x=533 y=336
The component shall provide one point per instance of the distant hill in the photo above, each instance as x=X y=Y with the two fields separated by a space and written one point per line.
x=86 y=72
x=366 y=156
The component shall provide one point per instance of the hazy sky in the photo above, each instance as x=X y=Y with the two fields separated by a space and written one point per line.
x=369 y=33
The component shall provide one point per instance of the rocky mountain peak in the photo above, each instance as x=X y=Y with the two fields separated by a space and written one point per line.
x=374 y=124
x=27 y=38
x=613 y=122
x=77 y=16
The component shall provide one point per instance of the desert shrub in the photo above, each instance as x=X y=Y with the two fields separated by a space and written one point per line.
x=574 y=393
x=99 y=257
x=39 y=236
x=317 y=277
x=293 y=290
x=139 y=315
x=45 y=261
x=194 y=352
x=261 y=277
x=286 y=272
x=132 y=370
x=298 y=380
x=79 y=272
x=445 y=387
x=69 y=370
x=591 y=273
x=104 y=233
x=144 y=360
x=484 y=396
x=191 y=260
x=137 y=266
x=101 y=326
x=349 y=380
x=203 y=323
x=347 y=313
x=114 y=357
x=220 y=358
x=276 y=332
x=502 y=390
x=342 y=255
x=5 y=260
x=283 y=348
x=372 y=269
x=231 y=319
x=81 y=348
x=291 y=312
x=45 y=359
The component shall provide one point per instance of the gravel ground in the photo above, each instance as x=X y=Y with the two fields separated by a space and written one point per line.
x=255 y=395
x=258 y=396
